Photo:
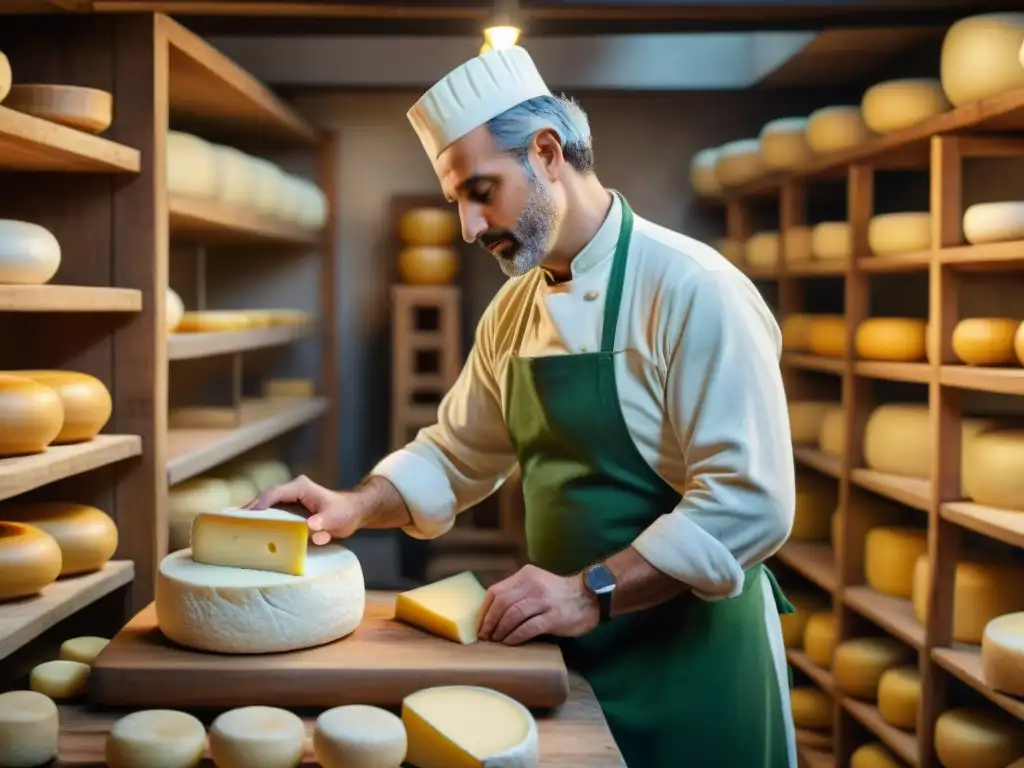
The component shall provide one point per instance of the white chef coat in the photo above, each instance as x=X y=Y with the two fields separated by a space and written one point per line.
x=700 y=389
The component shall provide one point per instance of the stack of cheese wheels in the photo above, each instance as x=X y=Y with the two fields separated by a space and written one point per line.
x=895 y=339
x=811 y=707
x=858 y=664
x=816 y=499
x=820 y=638
x=890 y=553
x=891 y=234
x=191 y=166
x=187 y=499
x=986 y=340
x=994 y=222
x=895 y=104
x=29 y=253
x=978 y=737
x=899 y=696
x=805 y=417
x=30 y=560
x=1002 y=653
x=762 y=249
x=29 y=728
x=795 y=624
x=832 y=435
x=87 y=536
x=831 y=241
x=702 y=173
x=85 y=400
x=797 y=245
x=783 y=143
x=739 y=162
x=827 y=336
x=833 y=129
x=427 y=256
x=31 y=414
x=981 y=58
x=993 y=469
x=873 y=755
x=981 y=592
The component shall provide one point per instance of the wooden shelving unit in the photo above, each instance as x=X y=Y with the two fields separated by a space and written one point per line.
x=940 y=147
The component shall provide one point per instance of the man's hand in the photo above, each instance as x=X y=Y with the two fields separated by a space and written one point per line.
x=535 y=602
x=333 y=514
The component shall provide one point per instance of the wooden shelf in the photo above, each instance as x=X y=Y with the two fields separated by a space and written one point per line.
x=912 y=491
x=902 y=743
x=811 y=559
x=814 y=758
x=1004 y=381
x=814 y=363
x=821 y=677
x=68 y=298
x=895 y=264
x=894 y=615
x=21 y=474
x=210 y=222
x=187 y=346
x=964 y=662
x=990 y=256
x=811 y=457
x=23 y=621
x=817 y=269
x=920 y=373
x=1006 y=525
x=30 y=144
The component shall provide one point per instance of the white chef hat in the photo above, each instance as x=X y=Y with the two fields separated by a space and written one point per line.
x=473 y=93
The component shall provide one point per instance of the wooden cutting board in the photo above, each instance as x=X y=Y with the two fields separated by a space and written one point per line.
x=380 y=663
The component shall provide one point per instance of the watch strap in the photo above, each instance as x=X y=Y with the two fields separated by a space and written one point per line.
x=604 y=606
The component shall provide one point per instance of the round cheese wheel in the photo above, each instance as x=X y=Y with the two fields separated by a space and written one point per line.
x=827 y=336
x=86 y=401
x=993 y=469
x=831 y=241
x=60 y=679
x=87 y=536
x=84 y=109
x=1018 y=343
x=290 y=200
x=267 y=179
x=784 y=143
x=29 y=729
x=174 y=310
x=812 y=708
x=762 y=249
x=265 y=473
x=894 y=233
x=359 y=736
x=83 y=649
x=981 y=592
x=257 y=737
x=428 y=264
x=899 y=696
x=796 y=330
x=32 y=415
x=832 y=435
x=212 y=321
x=889 y=556
x=873 y=756
x=156 y=737
x=236 y=610
x=896 y=104
x=994 y=222
x=732 y=250
x=242 y=490
x=805 y=418
x=192 y=169
x=235 y=183
x=858 y=664
x=428 y=226
x=899 y=339
x=30 y=560
x=5 y=76
x=796 y=245
x=816 y=499
x=29 y=253
x=969 y=737
x=739 y=162
x=1002 y=653
x=795 y=624
x=832 y=129
x=820 y=638
x=980 y=59
x=187 y=499
x=312 y=205
x=985 y=340
x=702 y=173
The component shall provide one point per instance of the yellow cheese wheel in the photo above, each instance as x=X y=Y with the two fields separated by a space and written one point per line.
x=29 y=253
x=820 y=638
x=31 y=415
x=981 y=592
x=896 y=339
x=87 y=536
x=832 y=435
x=762 y=249
x=784 y=143
x=795 y=624
x=30 y=560
x=831 y=241
x=796 y=245
x=890 y=234
x=994 y=222
x=832 y=129
x=976 y=737
x=858 y=664
x=899 y=696
x=896 y=104
x=812 y=708
x=796 y=329
x=174 y=310
x=993 y=469
x=980 y=59
x=827 y=336
x=212 y=321
x=428 y=264
x=428 y=226
x=873 y=755
x=816 y=499
x=739 y=162
x=702 y=173
x=732 y=250
x=1002 y=653
x=1018 y=343
x=86 y=401
x=890 y=553
x=985 y=340
x=805 y=418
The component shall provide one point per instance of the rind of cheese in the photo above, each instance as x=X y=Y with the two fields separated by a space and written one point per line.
x=174 y=310
x=428 y=226
x=980 y=59
x=784 y=143
x=762 y=249
x=60 y=679
x=890 y=234
x=969 y=737
x=831 y=129
x=816 y=499
x=191 y=166
x=32 y=415
x=29 y=253
x=896 y=104
x=820 y=638
x=797 y=245
x=1002 y=653
x=832 y=436
x=187 y=499
x=812 y=708
x=156 y=737
x=827 y=336
x=235 y=610
x=896 y=339
x=993 y=469
x=739 y=162
x=890 y=555
x=994 y=222
x=30 y=560
x=805 y=417
x=899 y=696
x=86 y=400
x=83 y=649
x=465 y=727
x=87 y=536
x=985 y=340
x=428 y=264
x=449 y=608
x=212 y=321
x=831 y=241
x=359 y=736
x=873 y=755
x=267 y=540
x=257 y=737
x=29 y=729
x=858 y=664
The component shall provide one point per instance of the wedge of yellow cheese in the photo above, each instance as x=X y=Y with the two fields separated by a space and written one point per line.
x=449 y=608
x=261 y=540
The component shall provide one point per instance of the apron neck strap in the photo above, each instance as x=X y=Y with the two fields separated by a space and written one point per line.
x=613 y=297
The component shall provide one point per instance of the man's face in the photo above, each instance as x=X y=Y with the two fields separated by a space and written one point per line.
x=505 y=208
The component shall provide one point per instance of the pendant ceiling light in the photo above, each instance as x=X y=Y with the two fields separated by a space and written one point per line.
x=502 y=31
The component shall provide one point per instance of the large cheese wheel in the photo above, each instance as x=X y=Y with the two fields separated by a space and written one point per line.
x=890 y=234
x=428 y=264
x=187 y=499
x=5 y=76
x=762 y=249
x=993 y=469
x=86 y=401
x=820 y=638
x=359 y=736
x=981 y=592
x=784 y=143
x=899 y=696
x=702 y=173
x=816 y=499
x=732 y=250
x=796 y=330
x=890 y=553
x=30 y=560
x=428 y=226
x=795 y=624
x=31 y=415
x=975 y=737
x=830 y=241
x=980 y=59
x=1002 y=653
x=873 y=755
x=29 y=253
x=234 y=172
x=257 y=737
x=29 y=729
x=212 y=321
x=156 y=737
x=796 y=245
x=805 y=418
x=832 y=435
x=898 y=339
x=827 y=336
x=191 y=166
x=985 y=340
x=1018 y=343
x=739 y=162
x=236 y=610
x=87 y=537
x=896 y=104
x=267 y=179
x=858 y=664
x=812 y=708
x=173 y=310
x=832 y=129
x=994 y=222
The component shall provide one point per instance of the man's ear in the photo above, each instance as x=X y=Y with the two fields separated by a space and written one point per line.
x=549 y=153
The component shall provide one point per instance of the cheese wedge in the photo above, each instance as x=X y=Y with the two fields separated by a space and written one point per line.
x=449 y=608
x=261 y=540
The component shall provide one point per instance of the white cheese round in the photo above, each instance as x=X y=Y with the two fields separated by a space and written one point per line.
x=60 y=679
x=1002 y=653
x=994 y=222
x=831 y=129
x=29 y=729
x=191 y=166
x=156 y=737
x=236 y=610
x=739 y=162
x=311 y=212
x=359 y=736
x=896 y=104
x=905 y=232
x=980 y=57
x=235 y=183
x=268 y=179
x=257 y=737
x=29 y=253
x=784 y=143
x=702 y=173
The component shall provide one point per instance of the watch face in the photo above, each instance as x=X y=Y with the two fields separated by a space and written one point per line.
x=600 y=579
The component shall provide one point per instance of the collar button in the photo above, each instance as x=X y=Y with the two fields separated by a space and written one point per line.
x=590 y=295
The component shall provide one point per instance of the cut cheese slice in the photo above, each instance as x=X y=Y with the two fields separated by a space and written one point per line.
x=468 y=727
x=1002 y=653
x=265 y=540
x=985 y=340
x=859 y=663
x=899 y=696
x=187 y=499
x=448 y=608
x=87 y=536
x=156 y=737
x=969 y=737
x=359 y=736
x=994 y=222
x=812 y=708
x=895 y=339
x=257 y=737
x=83 y=649
x=29 y=729
x=896 y=104
x=890 y=555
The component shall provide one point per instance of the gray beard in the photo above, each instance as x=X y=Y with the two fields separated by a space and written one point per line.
x=532 y=233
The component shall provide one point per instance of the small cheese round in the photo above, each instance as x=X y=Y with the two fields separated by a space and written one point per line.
x=890 y=234
x=993 y=469
x=897 y=339
x=985 y=340
x=1002 y=653
x=359 y=736
x=191 y=166
x=174 y=310
x=895 y=104
x=60 y=679
x=796 y=332
x=87 y=536
x=784 y=143
x=980 y=59
x=899 y=696
x=816 y=499
x=739 y=162
x=994 y=222
x=820 y=638
x=32 y=415
x=86 y=400
x=29 y=729
x=858 y=664
x=237 y=610
x=156 y=738
x=257 y=737
x=831 y=241
x=762 y=249
x=827 y=336
x=30 y=560
x=83 y=649
x=812 y=708
x=212 y=321
x=832 y=129
x=702 y=173
x=873 y=755
x=795 y=624
x=187 y=499
x=428 y=264
x=805 y=417
x=975 y=737
x=832 y=436
x=29 y=253
x=889 y=556
x=796 y=245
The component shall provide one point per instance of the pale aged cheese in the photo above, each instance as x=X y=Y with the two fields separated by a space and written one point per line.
x=32 y=415
x=994 y=222
x=257 y=737
x=762 y=249
x=359 y=736
x=896 y=339
x=1002 y=653
x=87 y=536
x=311 y=212
x=890 y=555
x=895 y=104
x=832 y=129
x=975 y=737
x=993 y=469
x=816 y=499
x=873 y=755
x=267 y=179
x=29 y=253
x=267 y=540
x=237 y=610
x=241 y=488
x=439 y=226
x=156 y=738
x=460 y=725
x=985 y=340
x=827 y=336
x=831 y=241
x=187 y=499
x=29 y=729
x=60 y=679
x=174 y=310
x=449 y=608
x=86 y=401
x=83 y=649
x=191 y=166
x=890 y=234
x=899 y=696
x=858 y=664
x=235 y=183
x=30 y=559
x=820 y=638
x=739 y=162
x=784 y=143
x=797 y=245
x=980 y=59
x=805 y=417
x=832 y=435
x=812 y=708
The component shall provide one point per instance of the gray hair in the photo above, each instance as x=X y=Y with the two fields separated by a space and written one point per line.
x=514 y=129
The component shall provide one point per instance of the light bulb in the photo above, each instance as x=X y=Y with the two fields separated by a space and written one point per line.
x=499 y=37
x=485 y=48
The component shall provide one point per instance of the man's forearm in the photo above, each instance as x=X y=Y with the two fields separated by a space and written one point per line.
x=638 y=584
x=380 y=504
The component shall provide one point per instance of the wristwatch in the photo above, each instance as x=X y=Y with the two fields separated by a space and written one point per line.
x=600 y=582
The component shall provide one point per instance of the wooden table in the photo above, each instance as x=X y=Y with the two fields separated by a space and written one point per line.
x=573 y=736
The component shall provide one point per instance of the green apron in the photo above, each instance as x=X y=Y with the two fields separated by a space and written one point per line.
x=686 y=683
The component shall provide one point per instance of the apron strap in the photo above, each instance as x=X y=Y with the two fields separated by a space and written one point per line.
x=617 y=279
